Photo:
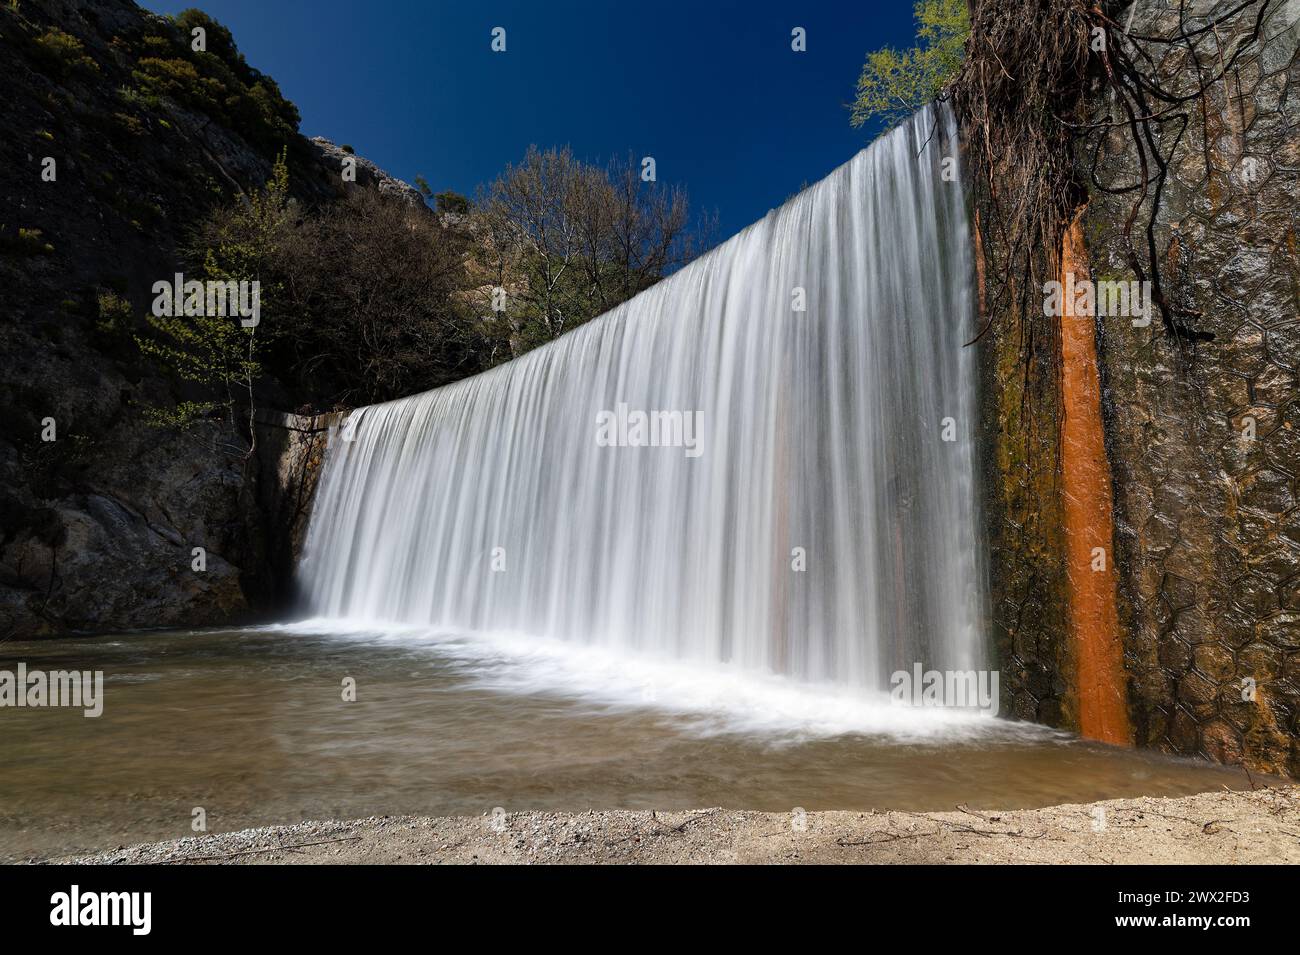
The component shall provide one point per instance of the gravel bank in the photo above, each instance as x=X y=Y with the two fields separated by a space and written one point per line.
x=1218 y=827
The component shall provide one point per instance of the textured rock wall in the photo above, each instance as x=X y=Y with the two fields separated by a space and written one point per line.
x=1202 y=430
x=112 y=547
x=290 y=452
x=1023 y=516
x=98 y=526
x=1203 y=433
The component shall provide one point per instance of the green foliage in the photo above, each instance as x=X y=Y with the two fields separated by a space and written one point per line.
x=363 y=299
x=423 y=185
x=216 y=81
x=246 y=239
x=217 y=352
x=114 y=324
x=181 y=415
x=896 y=83
x=24 y=242
x=129 y=124
x=135 y=99
x=113 y=314
x=178 y=79
x=448 y=201
x=63 y=53
x=209 y=350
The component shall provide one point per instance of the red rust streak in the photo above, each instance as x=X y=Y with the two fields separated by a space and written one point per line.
x=1086 y=490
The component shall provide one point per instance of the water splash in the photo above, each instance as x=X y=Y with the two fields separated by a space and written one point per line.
x=826 y=531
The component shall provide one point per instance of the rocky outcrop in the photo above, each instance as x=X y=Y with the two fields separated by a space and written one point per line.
x=368 y=175
x=100 y=512
x=291 y=452
x=116 y=550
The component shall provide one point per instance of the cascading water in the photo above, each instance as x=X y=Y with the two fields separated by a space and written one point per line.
x=817 y=516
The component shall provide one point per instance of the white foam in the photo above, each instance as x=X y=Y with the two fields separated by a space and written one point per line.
x=699 y=699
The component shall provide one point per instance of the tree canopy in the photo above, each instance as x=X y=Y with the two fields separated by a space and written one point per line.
x=896 y=83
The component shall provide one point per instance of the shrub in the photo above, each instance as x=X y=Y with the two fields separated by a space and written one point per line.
x=113 y=315
x=129 y=124
x=216 y=81
x=63 y=52
x=216 y=352
x=24 y=242
x=451 y=202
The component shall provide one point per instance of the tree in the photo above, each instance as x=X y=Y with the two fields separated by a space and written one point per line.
x=649 y=233
x=449 y=201
x=217 y=351
x=375 y=303
x=530 y=210
x=568 y=240
x=371 y=298
x=896 y=83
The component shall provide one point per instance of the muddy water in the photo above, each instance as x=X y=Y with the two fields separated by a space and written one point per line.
x=251 y=726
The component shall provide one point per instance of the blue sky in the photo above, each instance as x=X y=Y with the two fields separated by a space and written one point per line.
x=711 y=90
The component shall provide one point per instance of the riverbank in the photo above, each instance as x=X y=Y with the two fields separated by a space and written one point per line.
x=1221 y=827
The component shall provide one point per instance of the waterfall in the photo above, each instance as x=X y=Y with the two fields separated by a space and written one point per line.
x=810 y=510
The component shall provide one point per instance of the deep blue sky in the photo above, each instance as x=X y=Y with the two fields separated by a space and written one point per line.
x=711 y=90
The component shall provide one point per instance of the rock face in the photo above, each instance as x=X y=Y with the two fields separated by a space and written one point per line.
x=1202 y=427
x=368 y=175
x=98 y=526
x=1204 y=430
x=116 y=550
x=1023 y=518
x=99 y=523
x=291 y=452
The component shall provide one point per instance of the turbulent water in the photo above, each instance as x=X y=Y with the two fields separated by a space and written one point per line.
x=809 y=510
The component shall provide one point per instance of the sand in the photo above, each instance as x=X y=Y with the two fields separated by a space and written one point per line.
x=1261 y=826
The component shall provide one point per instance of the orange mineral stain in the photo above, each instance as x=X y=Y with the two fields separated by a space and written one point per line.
x=1086 y=494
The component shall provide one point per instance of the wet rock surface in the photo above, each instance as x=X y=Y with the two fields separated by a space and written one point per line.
x=1203 y=431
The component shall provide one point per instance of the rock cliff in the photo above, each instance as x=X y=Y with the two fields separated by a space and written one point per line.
x=116 y=137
